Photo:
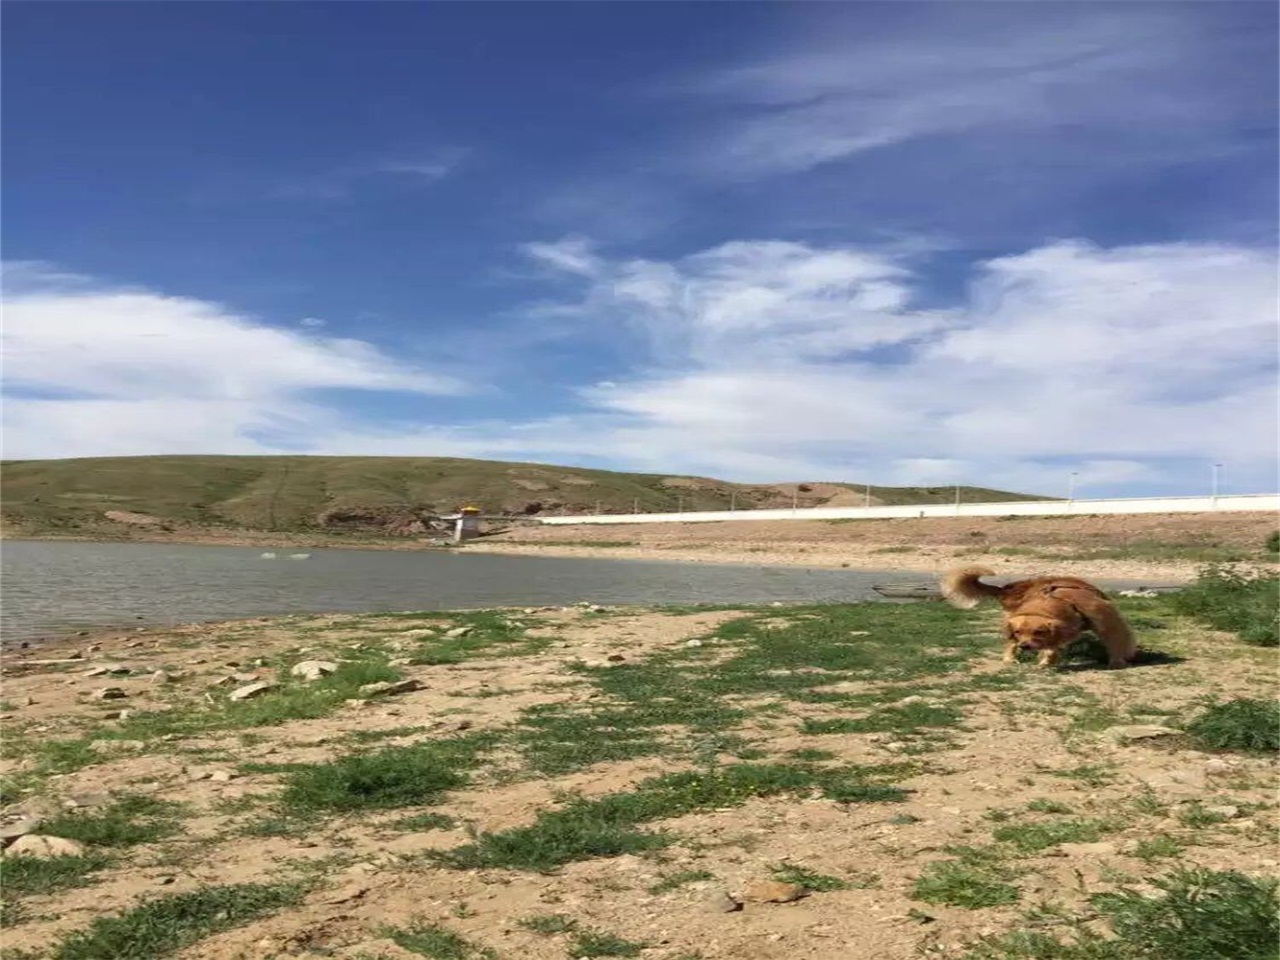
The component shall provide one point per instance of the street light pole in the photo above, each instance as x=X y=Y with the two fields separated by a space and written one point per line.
x=1071 y=486
x=867 y=503
x=1216 y=468
x=957 y=498
x=733 y=500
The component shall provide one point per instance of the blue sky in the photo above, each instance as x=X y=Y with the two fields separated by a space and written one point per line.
x=989 y=243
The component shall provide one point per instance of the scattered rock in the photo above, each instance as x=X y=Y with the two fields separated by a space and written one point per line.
x=166 y=881
x=1215 y=767
x=1138 y=731
x=20 y=828
x=245 y=677
x=388 y=688
x=104 y=669
x=459 y=632
x=86 y=801
x=223 y=682
x=721 y=902
x=251 y=690
x=222 y=776
x=163 y=676
x=774 y=891
x=1099 y=849
x=1225 y=810
x=615 y=658
x=39 y=807
x=109 y=693
x=695 y=643
x=310 y=670
x=352 y=891
x=859 y=633
x=117 y=715
x=37 y=845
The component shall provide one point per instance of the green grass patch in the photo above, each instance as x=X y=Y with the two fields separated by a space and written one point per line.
x=973 y=883
x=34 y=876
x=809 y=879
x=1027 y=838
x=681 y=878
x=1161 y=847
x=416 y=775
x=1195 y=915
x=1041 y=805
x=1243 y=725
x=901 y=720
x=162 y=926
x=584 y=941
x=125 y=823
x=437 y=942
x=609 y=826
x=1236 y=600
x=424 y=822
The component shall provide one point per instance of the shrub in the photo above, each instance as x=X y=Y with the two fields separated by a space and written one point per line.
x=1244 y=602
x=1249 y=726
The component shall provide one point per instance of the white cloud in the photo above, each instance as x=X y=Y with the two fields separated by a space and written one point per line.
x=92 y=369
x=1130 y=364
x=1133 y=367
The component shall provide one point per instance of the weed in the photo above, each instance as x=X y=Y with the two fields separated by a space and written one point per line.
x=1195 y=814
x=1160 y=847
x=1272 y=543
x=392 y=777
x=586 y=942
x=598 y=943
x=607 y=826
x=972 y=885
x=425 y=821
x=162 y=926
x=1090 y=774
x=1248 y=726
x=1033 y=837
x=902 y=720
x=1244 y=602
x=1040 y=805
x=809 y=879
x=1197 y=915
x=549 y=924
x=674 y=881
x=29 y=876
x=125 y=823
x=812 y=754
x=436 y=942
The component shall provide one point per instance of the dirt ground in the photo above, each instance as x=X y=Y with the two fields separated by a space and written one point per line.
x=1154 y=547
x=991 y=747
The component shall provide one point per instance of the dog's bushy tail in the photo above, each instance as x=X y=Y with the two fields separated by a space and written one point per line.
x=963 y=588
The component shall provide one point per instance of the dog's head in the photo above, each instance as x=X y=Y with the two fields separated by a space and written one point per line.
x=1033 y=631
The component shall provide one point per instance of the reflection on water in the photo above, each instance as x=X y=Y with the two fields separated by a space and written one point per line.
x=51 y=588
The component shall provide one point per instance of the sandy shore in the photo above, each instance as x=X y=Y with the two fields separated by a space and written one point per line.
x=1161 y=548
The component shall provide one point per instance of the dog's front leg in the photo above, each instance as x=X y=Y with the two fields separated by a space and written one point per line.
x=1048 y=658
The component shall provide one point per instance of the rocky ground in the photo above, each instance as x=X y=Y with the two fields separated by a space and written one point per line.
x=810 y=783
x=1148 y=547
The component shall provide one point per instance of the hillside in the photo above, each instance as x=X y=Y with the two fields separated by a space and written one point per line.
x=386 y=495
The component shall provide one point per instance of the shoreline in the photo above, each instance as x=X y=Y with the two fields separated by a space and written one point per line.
x=923 y=562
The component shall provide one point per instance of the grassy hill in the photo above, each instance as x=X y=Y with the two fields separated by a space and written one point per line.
x=377 y=494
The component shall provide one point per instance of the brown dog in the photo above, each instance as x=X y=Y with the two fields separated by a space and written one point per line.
x=1045 y=613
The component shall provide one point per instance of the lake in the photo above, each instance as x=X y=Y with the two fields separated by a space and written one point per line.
x=52 y=588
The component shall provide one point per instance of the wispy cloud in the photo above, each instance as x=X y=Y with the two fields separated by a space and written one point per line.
x=343 y=181
x=1150 y=78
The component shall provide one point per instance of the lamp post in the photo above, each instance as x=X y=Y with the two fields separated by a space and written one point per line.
x=1071 y=486
x=867 y=502
x=957 y=498
x=1216 y=468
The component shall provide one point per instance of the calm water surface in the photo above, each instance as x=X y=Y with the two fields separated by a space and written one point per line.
x=53 y=588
